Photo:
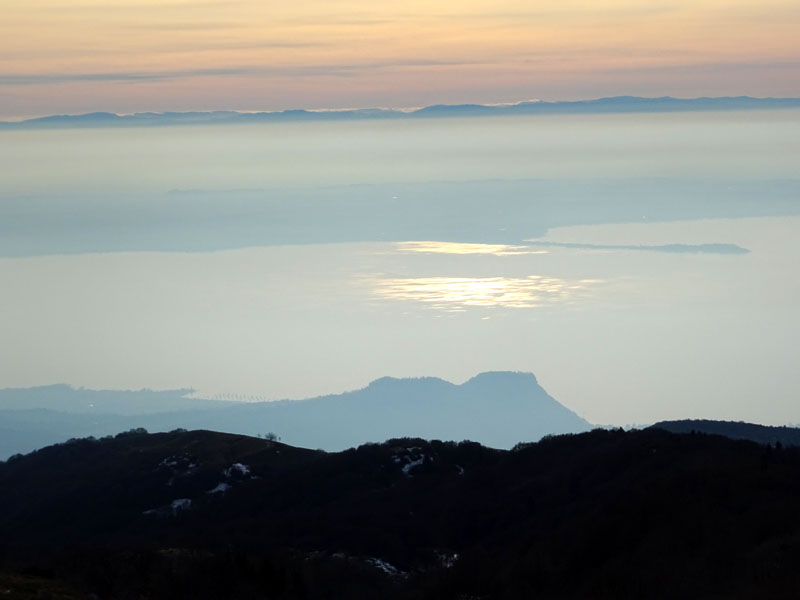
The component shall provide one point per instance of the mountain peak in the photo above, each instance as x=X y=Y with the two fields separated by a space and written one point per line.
x=498 y=409
x=487 y=378
x=390 y=382
x=503 y=377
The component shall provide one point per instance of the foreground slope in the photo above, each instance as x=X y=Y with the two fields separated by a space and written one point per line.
x=605 y=514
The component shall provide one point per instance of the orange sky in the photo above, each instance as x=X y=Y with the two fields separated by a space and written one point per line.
x=134 y=55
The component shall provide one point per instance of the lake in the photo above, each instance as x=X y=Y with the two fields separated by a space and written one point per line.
x=642 y=266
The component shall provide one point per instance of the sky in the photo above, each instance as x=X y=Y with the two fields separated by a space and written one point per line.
x=77 y=56
x=168 y=312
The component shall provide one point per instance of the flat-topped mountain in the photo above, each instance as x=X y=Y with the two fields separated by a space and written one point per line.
x=604 y=514
x=497 y=409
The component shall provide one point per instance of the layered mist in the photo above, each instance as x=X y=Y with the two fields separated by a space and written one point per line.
x=641 y=264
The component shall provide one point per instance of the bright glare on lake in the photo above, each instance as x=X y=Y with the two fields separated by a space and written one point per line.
x=183 y=297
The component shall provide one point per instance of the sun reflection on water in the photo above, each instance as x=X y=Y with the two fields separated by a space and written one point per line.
x=456 y=294
x=434 y=247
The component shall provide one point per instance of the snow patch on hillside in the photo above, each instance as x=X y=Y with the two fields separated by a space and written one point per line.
x=386 y=567
x=221 y=488
x=410 y=459
x=236 y=469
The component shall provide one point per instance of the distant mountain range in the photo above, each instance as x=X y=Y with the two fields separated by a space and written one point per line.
x=498 y=409
x=617 y=104
x=607 y=514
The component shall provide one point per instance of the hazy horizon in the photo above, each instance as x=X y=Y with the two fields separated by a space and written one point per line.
x=291 y=260
x=581 y=105
x=636 y=253
x=184 y=55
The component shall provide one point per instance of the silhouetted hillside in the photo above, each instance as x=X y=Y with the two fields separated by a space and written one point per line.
x=605 y=514
x=736 y=430
x=497 y=409
x=28 y=586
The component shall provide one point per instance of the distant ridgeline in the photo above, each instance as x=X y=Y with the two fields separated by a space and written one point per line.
x=618 y=104
x=497 y=409
x=737 y=430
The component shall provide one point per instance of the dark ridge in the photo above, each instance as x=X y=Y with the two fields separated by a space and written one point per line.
x=736 y=430
x=603 y=514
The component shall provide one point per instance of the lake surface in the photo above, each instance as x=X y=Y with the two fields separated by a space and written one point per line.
x=642 y=266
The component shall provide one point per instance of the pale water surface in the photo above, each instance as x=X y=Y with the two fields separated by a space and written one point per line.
x=267 y=306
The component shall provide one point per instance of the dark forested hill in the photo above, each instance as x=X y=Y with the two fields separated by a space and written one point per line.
x=604 y=514
x=736 y=430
